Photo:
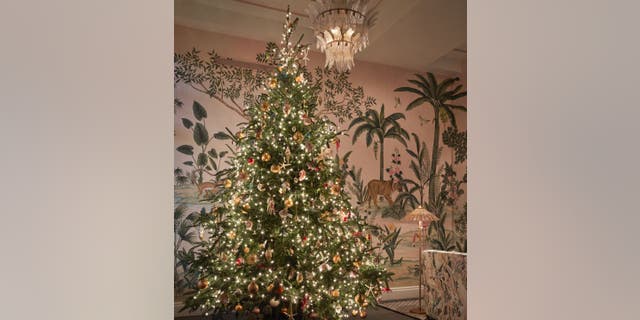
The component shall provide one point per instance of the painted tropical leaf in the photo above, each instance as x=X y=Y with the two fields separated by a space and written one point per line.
x=202 y=159
x=187 y=123
x=200 y=134
x=199 y=111
x=186 y=149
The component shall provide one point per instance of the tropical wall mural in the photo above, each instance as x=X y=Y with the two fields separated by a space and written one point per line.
x=403 y=145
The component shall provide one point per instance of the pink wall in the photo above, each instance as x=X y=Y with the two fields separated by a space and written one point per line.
x=377 y=80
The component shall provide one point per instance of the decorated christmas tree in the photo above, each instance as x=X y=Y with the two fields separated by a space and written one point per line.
x=282 y=238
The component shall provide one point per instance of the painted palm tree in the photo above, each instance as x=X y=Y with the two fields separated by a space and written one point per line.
x=376 y=126
x=439 y=96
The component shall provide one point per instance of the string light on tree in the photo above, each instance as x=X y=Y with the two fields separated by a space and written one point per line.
x=284 y=239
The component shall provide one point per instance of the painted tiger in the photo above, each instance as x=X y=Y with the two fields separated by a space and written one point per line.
x=208 y=187
x=381 y=187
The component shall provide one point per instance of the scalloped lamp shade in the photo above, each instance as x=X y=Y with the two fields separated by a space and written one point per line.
x=420 y=214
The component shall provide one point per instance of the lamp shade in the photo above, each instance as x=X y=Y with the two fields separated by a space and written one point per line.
x=420 y=214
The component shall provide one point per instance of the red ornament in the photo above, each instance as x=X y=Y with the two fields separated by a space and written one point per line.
x=280 y=289
x=386 y=289
x=304 y=303
x=239 y=261
x=250 y=160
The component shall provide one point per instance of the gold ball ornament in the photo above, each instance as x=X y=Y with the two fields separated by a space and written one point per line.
x=231 y=235
x=274 y=302
x=273 y=82
x=299 y=277
x=363 y=314
x=335 y=293
x=252 y=259
x=252 y=288
x=246 y=206
x=264 y=106
x=276 y=168
x=240 y=135
x=354 y=312
x=266 y=157
x=256 y=310
x=228 y=183
x=288 y=203
x=270 y=288
x=203 y=283
x=246 y=249
x=297 y=137
x=300 y=78
x=238 y=307
x=337 y=259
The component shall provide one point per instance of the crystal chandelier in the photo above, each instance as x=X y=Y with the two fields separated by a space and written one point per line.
x=342 y=29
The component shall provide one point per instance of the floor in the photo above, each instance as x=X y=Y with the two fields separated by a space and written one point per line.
x=403 y=306
x=377 y=314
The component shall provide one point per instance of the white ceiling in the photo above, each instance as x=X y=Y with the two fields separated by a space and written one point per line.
x=418 y=35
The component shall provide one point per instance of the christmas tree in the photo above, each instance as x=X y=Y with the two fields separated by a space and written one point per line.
x=282 y=238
